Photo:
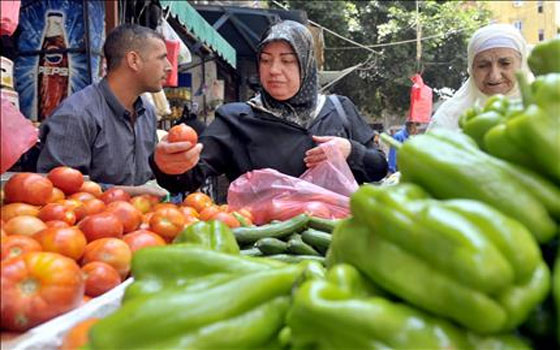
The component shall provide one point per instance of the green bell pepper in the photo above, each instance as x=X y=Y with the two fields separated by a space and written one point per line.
x=544 y=57
x=478 y=126
x=459 y=259
x=247 y=312
x=190 y=267
x=213 y=235
x=325 y=316
x=449 y=165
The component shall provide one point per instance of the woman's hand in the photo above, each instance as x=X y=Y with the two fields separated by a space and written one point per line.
x=316 y=155
x=177 y=157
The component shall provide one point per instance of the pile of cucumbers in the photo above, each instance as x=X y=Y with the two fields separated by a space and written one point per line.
x=302 y=237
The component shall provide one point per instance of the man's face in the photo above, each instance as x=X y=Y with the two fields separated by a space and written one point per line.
x=155 y=66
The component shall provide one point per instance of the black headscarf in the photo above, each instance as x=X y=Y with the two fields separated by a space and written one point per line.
x=300 y=107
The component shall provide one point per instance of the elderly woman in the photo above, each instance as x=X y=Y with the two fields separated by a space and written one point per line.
x=495 y=53
x=280 y=128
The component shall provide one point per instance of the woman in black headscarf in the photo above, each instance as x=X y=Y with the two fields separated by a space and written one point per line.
x=280 y=128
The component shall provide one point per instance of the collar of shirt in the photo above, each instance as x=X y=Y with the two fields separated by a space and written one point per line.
x=115 y=104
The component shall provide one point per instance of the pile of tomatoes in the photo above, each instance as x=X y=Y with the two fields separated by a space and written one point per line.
x=65 y=241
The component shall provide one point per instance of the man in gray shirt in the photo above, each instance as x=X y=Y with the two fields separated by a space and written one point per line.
x=107 y=130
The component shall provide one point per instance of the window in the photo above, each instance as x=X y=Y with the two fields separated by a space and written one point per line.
x=518 y=3
x=518 y=25
x=541 y=34
x=539 y=6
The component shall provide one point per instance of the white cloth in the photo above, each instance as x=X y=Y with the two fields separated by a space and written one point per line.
x=489 y=37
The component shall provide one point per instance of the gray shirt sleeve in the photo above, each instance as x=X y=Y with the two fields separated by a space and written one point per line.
x=67 y=138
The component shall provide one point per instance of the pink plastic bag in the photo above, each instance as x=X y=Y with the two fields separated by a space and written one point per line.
x=420 y=101
x=322 y=191
x=9 y=16
x=17 y=134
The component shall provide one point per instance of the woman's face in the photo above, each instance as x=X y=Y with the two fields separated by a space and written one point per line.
x=494 y=70
x=279 y=70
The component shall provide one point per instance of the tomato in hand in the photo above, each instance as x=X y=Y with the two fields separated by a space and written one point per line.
x=38 y=286
x=67 y=179
x=16 y=245
x=100 y=277
x=112 y=251
x=102 y=225
x=182 y=133
x=28 y=188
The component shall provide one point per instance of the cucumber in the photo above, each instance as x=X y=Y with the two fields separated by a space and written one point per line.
x=251 y=252
x=246 y=235
x=325 y=225
x=298 y=247
x=317 y=239
x=294 y=259
x=270 y=245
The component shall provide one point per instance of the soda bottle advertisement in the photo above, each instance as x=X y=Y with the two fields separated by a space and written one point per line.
x=52 y=61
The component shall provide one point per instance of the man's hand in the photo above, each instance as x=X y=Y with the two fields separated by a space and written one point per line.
x=177 y=157
x=144 y=189
x=316 y=155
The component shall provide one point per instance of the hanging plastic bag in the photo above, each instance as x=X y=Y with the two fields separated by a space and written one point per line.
x=9 y=17
x=17 y=133
x=172 y=56
x=420 y=101
x=322 y=191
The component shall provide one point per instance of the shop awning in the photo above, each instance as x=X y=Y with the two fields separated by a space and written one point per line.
x=197 y=25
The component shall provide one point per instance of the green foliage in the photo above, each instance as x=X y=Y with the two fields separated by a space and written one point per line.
x=383 y=83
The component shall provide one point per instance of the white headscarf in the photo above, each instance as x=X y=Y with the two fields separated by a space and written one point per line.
x=485 y=38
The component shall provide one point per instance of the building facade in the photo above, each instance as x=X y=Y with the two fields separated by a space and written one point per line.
x=537 y=20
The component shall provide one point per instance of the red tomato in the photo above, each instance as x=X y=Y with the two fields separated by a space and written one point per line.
x=77 y=206
x=77 y=336
x=227 y=219
x=81 y=196
x=67 y=179
x=16 y=245
x=39 y=286
x=198 y=200
x=246 y=213
x=28 y=188
x=318 y=209
x=112 y=251
x=142 y=238
x=114 y=194
x=209 y=213
x=143 y=203
x=24 y=225
x=67 y=241
x=56 y=195
x=85 y=299
x=181 y=133
x=91 y=187
x=94 y=206
x=16 y=209
x=189 y=211
x=130 y=217
x=57 y=211
x=102 y=225
x=100 y=277
x=167 y=222
x=56 y=223
x=158 y=206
